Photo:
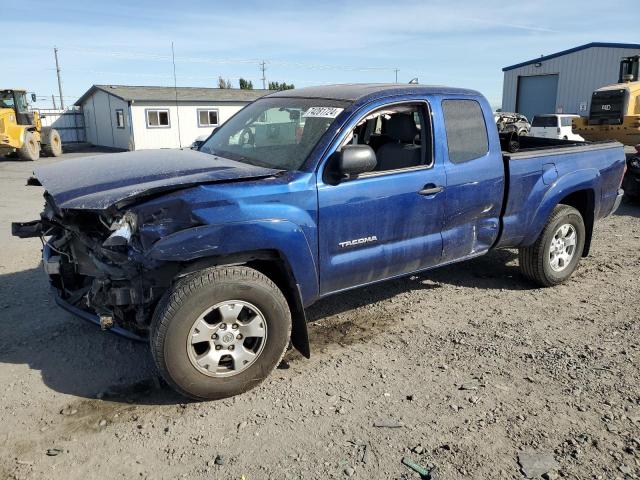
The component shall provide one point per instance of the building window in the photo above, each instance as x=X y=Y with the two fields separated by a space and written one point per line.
x=158 y=119
x=120 y=118
x=466 y=131
x=207 y=118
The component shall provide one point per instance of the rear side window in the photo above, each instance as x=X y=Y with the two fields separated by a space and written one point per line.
x=545 y=121
x=566 y=121
x=466 y=130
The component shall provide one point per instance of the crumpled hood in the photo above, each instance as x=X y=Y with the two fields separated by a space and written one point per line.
x=99 y=182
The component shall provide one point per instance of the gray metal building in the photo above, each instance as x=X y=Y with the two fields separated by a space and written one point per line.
x=563 y=82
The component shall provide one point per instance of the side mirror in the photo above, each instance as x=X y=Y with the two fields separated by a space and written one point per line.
x=33 y=97
x=356 y=159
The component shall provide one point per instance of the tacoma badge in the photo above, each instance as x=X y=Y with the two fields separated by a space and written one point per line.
x=358 y=241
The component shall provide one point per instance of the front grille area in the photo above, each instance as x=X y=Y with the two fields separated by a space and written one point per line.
x=608 y=107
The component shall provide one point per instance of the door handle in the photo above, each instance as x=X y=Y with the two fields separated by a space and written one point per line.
x=431 y=189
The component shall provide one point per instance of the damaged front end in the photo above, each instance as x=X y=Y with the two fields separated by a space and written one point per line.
x=95 y=263
x=102 y=216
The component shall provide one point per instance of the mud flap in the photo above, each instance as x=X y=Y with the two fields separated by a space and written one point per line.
x=299 y=333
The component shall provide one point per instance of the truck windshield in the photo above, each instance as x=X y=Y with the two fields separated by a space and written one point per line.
x=274 y=132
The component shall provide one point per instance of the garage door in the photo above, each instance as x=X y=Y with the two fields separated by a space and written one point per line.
x=537 y=95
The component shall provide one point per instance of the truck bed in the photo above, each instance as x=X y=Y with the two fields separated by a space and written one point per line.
x=537 y=146
x=545 y=171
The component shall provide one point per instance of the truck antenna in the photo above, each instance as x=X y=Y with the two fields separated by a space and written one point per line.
x=175 y=89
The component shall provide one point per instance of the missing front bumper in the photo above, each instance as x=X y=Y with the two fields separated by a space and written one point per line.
x=51 y=264
x=95 y=319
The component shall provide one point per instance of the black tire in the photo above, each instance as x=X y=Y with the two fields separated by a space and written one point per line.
x=51 y=142
x=535 y=261
x=187 y=300
x=30 y=149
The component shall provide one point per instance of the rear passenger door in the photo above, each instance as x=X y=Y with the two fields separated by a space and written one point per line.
x=475 y=178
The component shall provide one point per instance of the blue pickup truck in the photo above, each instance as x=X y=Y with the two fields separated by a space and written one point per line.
x=215 y=254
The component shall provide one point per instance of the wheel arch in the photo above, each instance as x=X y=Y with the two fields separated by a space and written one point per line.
x=579 y=190
x=277 y=248
x=273 y=264
x=584 y=202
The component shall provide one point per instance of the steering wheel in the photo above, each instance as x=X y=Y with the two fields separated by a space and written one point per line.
x=247 y=137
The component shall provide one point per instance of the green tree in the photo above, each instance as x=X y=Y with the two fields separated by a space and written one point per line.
x=222 y=83
x=281 y=86
x=246 y=84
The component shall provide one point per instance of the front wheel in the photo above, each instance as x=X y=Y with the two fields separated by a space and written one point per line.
x=220 y=332
x=556 y=253
x=30 y=149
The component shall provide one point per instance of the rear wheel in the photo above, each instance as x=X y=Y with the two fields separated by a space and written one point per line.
x=220 y=332
x=556 y=253
x=52 y=144
x=30 y=149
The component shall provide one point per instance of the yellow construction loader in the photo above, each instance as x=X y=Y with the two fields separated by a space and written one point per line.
x=21 y=130
x=615 y=109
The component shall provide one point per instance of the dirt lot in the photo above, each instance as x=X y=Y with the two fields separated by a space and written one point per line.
x=468 y=368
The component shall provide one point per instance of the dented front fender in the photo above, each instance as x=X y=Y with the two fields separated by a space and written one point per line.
x=282 y=236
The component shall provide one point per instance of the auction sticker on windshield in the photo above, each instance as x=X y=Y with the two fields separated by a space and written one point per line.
x=322 y=112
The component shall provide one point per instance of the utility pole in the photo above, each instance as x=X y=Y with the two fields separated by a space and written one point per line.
x=55 y=52
x=263 y=67
x=53 y=99
x=396 y=70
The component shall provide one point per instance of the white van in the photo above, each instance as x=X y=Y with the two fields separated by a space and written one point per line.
x=554 y=126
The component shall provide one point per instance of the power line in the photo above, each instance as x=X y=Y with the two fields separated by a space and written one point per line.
x=282 y=63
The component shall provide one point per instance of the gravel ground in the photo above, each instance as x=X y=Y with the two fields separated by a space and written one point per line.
x=469 y=368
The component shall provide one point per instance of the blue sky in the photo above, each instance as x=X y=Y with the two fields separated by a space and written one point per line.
x=456 y=43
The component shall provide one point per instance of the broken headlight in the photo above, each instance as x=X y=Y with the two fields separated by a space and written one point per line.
x=123 y=229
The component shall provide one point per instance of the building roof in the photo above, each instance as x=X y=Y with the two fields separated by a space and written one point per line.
x=572 y=50
x=354 y=91
x=168 y=94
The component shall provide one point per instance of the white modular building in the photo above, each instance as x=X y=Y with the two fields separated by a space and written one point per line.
x=138 y=117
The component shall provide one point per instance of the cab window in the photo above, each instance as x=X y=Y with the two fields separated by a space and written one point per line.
x=400 y=136
x=466 y=130
x=6 y=99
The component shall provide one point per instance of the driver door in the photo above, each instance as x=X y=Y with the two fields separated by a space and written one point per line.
x=386 y=222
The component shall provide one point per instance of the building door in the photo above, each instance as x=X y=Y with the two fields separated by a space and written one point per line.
x=537 y=95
